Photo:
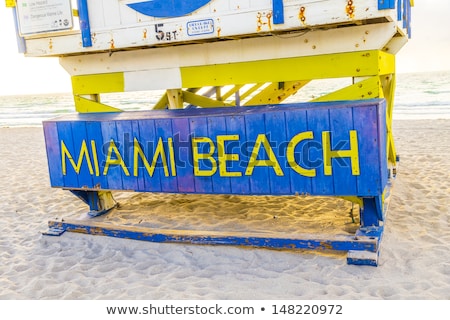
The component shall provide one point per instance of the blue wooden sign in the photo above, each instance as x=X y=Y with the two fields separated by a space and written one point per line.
x=332 y=148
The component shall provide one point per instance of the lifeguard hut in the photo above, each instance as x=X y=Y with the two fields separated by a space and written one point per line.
x=225 y=69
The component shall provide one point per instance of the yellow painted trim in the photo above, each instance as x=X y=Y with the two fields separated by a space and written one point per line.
x=84 y=105
x=98 y=83
x=339 y=65
x=10 y=3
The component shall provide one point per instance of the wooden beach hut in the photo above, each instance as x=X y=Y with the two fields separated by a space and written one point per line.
x=227 y=72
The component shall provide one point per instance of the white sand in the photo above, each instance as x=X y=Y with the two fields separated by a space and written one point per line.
x=414 y=261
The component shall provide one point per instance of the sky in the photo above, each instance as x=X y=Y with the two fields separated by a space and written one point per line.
x=427 y=50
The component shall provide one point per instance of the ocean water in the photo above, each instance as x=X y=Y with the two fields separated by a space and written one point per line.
x=418 y=96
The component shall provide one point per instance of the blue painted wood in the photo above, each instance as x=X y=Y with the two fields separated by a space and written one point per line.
x=277 y=136
x=259 y=178
x=199 y=129
x=297 y=121
x=163 y=129
x=79 y=135
x=220 y=182
x=366 y=120
x=94 y=133
x=278 y=11
x=339 y=243
x=236 y=125
x=386 y=4
x=53 y=152
x=183 y=159
x=167 y=9
x=148 y=142
x=85 y=27
x=341 y=119
x=114 y=171
x=139 y=180
x=318 y=122
x=240 y=128
x=65 y=134
x=125 y=138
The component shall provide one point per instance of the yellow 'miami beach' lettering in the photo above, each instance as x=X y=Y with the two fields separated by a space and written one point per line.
x=328 y=154
x=290 y=151
x=223 y=157
x=203 y=156
x=84 y=153
x=204 y=152
x=159 y=152
x=117 y=161
x=271 y=162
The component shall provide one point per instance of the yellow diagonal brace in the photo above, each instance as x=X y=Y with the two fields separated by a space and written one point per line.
x=276 y=92
x=252 y=89
x=232 y=91
x=84 y=105
x=366 y=89
x=162 y=103
x=202 y=101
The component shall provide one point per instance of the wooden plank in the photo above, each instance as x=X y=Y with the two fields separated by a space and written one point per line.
x=301 y=241
x=125 y=141
x=258 y=164
x=366 y=121
x=163 y=130
x=318 y=122
x=181 y=131
x=97 y=148
x=80 y=143
x=297 y=122
x=148 y=140
x=52 y=146
x=139 y=171
x=275 y=128
x=222 y=182
x=112 y=169
x=68 y=168
x=341 y=121
x=328 y=148
x=236 y=125
x=205 y=163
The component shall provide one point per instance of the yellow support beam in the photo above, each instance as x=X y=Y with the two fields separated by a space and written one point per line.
x=175 y=98
x=388 y=90
x=98 y=83
x=339 y=65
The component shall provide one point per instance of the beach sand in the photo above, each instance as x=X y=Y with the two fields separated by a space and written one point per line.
x=414 y=261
